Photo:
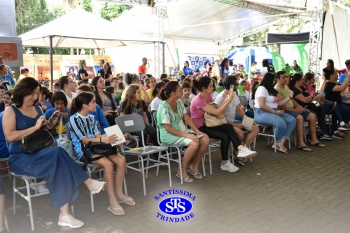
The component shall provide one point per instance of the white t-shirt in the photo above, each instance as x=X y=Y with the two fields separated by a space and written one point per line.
x=230 y=111
x=155 y=104
x=271 y=101
x=69 y=100
x=264 y=71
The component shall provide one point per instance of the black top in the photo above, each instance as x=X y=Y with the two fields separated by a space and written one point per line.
x=82 y=71
x=330 y=94
x=99 y=100
x=303 y=91
x=136 y=110
x=105 y=75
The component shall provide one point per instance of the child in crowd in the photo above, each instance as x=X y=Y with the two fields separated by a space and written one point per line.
x=45 y=99
x=186 y=92
x=6 y=98
x=59 y=101
x=2 y=91
x=110 y=90
x=156 y=96
x=118 y=95
x=84 y=129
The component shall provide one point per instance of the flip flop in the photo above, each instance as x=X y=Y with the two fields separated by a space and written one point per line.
x=186 y=179
x=279 y=149
x=318 y=144
x=305 y=149
x=128 y=201
x=116 y=211
x=198 y=175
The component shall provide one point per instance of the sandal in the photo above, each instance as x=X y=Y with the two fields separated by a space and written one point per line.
x=198 y=175
x=319 y=144
x=128 y=201
x=305 y=149
x=186 y=179
x=116 y=211
x=279 y=149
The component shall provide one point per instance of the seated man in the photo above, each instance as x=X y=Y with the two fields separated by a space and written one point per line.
x=233 y=109
x=301 y=114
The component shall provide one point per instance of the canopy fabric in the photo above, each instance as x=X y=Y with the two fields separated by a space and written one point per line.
x=81 y=29
x=193 y=19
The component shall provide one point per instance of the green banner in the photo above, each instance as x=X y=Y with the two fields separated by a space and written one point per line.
x=304 y=58
x=278 y=61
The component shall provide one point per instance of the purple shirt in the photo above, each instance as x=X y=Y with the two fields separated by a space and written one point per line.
x=197 y=113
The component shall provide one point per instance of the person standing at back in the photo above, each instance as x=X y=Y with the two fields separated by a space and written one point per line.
x=143 y=68
x=9 y=71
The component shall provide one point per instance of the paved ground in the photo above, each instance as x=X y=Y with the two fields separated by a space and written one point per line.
x=297 y=192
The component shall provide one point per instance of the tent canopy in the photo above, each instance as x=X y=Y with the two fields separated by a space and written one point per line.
x=205 y=20
x=81 y=29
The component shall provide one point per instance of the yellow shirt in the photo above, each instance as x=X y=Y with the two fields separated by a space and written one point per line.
x=284 y=93
x=150 y=92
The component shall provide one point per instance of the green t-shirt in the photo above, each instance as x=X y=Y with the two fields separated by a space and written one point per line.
x=284 y=93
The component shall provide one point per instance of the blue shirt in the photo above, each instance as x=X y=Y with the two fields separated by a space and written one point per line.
x=187 y=71
x=48 y=105
x=100 y=118
x=82 y=127
x=7 y=78
x=49 y=113
x=4 y=152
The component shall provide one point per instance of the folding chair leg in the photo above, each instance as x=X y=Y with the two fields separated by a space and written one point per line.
x=204 y=174
x=180 y=164
x=92 y=202
x=125 y=188
x=169 y=168
x=6 y=223
x=72 y=210
x=143 y=177
x=29 y=199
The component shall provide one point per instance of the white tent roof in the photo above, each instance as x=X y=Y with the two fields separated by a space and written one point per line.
x=205 y=19
x=81 y=29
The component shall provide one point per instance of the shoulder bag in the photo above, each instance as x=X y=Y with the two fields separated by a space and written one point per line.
x=38 y=140
x=212 y=120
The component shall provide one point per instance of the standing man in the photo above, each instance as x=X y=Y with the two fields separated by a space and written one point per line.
x=143 y=68
x=4 y=76
x=24 y=73
x=9 y=71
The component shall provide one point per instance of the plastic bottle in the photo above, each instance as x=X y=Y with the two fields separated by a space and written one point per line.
x=240 y=90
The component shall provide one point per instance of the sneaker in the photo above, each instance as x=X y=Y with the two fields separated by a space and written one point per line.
x=229 y=167
x=345 y=127
x=326 y=137
x=246 y=153
x=40 y=188
x=337 y=136
x=69 y=221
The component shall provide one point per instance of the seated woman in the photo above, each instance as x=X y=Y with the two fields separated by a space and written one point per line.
x=332 y=93
x=133 y=104
x=104 y=100
x=173 y=131
x=266 y=103
x=84 y=129
x=303 y=97
x=156 y=96
x=62 y=174
x=225 y=133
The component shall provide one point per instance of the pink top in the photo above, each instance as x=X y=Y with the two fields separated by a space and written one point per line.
x=197 y=113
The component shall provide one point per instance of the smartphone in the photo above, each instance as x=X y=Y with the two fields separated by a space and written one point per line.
x=54 y=115
x=231 y=87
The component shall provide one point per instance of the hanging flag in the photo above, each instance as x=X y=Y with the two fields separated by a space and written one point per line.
x=278 y=61
x=304 y=58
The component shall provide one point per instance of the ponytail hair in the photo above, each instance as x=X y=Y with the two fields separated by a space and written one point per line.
x=295 y=78
x=156 y=87
x=169 y=88
x=80 y=100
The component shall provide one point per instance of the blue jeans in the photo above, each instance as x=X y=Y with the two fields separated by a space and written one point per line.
x=284 y=124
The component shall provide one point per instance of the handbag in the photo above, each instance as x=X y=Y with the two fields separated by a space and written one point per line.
x=211 y=120
x=96 y=148
x=38 y=140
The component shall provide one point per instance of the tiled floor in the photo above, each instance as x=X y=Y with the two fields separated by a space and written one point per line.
x=297 y=192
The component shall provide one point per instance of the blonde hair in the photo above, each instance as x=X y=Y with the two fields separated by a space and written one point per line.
x=132 y=103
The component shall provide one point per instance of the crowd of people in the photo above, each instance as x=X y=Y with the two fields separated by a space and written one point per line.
x=284 y=100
